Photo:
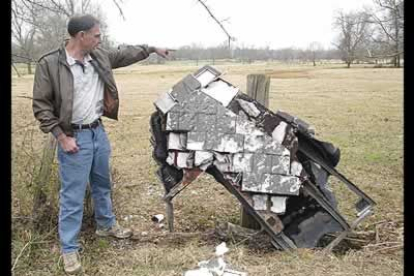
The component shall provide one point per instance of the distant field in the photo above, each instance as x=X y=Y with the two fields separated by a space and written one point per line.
x=360 y=110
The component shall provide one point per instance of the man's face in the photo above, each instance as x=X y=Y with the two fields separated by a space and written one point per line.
x=91 y=38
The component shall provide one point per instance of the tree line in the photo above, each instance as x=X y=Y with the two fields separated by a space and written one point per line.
x=375 y=32
x=372 y=34
x=39 y=26
x=250 y=54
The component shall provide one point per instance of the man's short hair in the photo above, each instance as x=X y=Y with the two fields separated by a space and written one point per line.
x=80 y=23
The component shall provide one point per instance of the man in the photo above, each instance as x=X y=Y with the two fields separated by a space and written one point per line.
x=73 y=87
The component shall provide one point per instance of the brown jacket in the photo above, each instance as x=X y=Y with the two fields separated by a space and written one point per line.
x=53 y=85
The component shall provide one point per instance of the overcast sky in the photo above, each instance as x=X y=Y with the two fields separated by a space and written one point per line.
x=255 y=23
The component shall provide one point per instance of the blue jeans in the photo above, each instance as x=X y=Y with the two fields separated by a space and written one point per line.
x=90 y=163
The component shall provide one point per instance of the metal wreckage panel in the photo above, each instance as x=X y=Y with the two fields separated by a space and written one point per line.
x=271 y=162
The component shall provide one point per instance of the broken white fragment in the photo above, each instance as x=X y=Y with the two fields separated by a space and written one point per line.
x=170 y=158
x=157 y=218
x=249 y=108
x=165 y=102
x=195 y=145
x=278 y=204
x=206 y=77
x=260 y=202
x=181 y=159
x=203 y=157
x=126 y=218
x=177 y=141
x=221 y=91
x=215 y=266
x=205 y=166
x=279 y=132
x=221 y=249
x=296 y=168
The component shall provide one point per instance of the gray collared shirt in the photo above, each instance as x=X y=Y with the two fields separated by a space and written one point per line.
x=88 y=91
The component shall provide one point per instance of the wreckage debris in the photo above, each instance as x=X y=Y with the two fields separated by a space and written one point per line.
x=271 y=162
x=216 y=266
x=157 y=218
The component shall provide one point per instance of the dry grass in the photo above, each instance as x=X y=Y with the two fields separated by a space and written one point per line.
x=360 y=110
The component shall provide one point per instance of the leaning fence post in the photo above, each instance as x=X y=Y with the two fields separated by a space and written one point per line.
x=41 y=210
x=257 y=88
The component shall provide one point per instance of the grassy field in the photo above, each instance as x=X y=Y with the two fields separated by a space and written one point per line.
x=360 y=110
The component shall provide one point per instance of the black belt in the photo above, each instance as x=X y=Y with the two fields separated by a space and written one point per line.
x=94 y=124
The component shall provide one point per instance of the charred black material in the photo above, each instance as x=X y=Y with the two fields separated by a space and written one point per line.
x=167 y=174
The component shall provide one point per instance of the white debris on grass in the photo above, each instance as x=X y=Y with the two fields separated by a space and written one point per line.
x=128 y=217
x=221 y=249
x=157 y=218
x=216 y=266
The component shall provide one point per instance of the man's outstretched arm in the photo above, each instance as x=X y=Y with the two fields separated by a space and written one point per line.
x=128 y=54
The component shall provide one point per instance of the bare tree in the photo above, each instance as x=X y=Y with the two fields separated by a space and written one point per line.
x=64 y=7
x=388 y=17
x=314 y=51
x=24 y=34
x=229 y=37
x=353 y=28
x=39 y=26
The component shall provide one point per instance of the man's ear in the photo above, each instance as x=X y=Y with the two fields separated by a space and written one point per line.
x=81 y=34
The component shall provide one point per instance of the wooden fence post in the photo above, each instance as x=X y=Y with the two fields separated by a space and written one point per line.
x=41 y=211
x=257 y=88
